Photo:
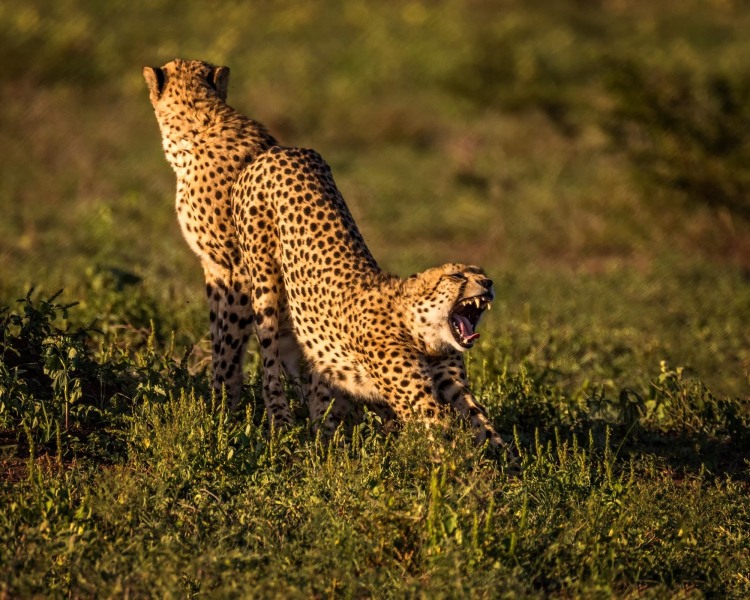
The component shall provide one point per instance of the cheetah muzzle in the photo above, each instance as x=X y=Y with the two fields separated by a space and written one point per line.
x=465 y=316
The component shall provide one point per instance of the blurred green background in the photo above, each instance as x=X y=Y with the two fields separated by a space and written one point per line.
x=592 y=155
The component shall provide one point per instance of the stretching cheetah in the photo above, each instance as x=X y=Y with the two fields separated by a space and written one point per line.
x=380 y=338
x=208 y=144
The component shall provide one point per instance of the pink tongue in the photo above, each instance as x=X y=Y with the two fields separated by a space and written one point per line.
x=467 y=331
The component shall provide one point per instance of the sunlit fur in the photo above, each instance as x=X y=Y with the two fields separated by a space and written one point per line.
x=208 y=144
x=376 y=336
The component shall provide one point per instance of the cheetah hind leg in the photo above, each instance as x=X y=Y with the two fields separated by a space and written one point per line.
x=231 y=323
x=290 y=355
x=324 y=417
x=386 y=414
x=268 y=307
x=319 y=397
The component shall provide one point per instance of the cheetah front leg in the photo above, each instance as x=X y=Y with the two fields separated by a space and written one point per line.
x=406 y=386
x=231 y=321
x=452 y=387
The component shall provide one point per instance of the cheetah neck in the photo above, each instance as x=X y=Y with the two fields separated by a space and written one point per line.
x=218 y=129
x=408 y=314
x=387 y=291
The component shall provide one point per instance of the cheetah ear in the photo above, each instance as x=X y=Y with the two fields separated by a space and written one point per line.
x=154 y=77
x=219 y=80
x=412 y=284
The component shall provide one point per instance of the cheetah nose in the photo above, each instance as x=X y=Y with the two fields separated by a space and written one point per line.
x=486 y=283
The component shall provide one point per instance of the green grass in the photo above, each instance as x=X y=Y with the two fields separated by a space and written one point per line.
x=588 y=155
x=152 y=491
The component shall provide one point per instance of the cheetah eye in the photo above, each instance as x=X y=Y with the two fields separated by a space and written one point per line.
x=457 y=276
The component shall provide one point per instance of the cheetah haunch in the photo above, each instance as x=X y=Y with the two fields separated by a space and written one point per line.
x=208 y=144
x=376 y=336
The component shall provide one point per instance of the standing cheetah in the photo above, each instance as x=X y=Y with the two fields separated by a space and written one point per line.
x=378 y=337
x=208 y=144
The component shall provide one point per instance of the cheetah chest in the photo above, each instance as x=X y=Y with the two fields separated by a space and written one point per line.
x=205 y=216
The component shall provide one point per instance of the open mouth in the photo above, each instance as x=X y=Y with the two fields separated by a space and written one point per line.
x=465 y=317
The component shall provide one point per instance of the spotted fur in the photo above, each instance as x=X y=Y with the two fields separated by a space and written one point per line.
x=208 y=144
x=380 y=338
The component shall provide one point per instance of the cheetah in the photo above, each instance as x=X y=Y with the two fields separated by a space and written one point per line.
x=380 y=338
x=208 y=144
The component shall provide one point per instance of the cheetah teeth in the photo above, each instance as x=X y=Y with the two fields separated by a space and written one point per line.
x=477 y=301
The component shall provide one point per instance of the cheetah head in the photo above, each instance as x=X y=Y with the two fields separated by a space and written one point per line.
x=446 y=304
x=179 y=89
